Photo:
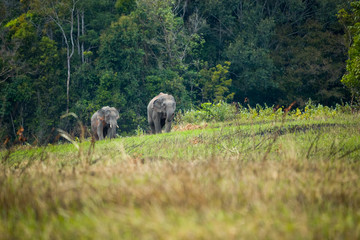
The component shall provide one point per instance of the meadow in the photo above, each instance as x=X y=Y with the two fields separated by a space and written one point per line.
x=222 y=173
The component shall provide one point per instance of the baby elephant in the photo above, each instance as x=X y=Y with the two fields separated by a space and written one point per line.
x=104 y=123
x=161 y=112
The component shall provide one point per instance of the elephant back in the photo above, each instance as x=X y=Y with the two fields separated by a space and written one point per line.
x=159 y=96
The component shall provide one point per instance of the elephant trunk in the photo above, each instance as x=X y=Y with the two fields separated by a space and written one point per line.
x=170 y=116
x=112 y=129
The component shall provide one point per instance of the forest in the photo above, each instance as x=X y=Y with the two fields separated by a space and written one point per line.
x=61 y=56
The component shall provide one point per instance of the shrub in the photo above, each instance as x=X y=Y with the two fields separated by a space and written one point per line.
x=222 y=111
x=208 y=112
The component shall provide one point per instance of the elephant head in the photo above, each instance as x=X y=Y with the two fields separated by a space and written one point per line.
x=161 y=112
x=104 y=123
x=166 y=106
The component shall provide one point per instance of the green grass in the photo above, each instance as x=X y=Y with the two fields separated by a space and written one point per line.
x=240 y=179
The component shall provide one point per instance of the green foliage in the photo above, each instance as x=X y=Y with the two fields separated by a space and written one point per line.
x=249 y=53
x=352 y=77
x=316 y=69
x=222 y=111
x=125 y=6
x=208 y=112
x=119 y=49
x=33 y=95
x=214 y=83
x=20 y=28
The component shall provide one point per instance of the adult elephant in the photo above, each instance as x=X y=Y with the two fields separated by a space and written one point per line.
x=104 y=123
x=161 y=112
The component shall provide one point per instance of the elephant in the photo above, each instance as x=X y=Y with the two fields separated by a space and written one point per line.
x=161 y=112
x=104 y=123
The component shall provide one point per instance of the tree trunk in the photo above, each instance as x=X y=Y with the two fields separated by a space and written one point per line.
x=78 y=32
x=69 y=56
x=82 y=34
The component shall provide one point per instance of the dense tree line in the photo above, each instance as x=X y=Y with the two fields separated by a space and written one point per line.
x=60 y=56
x=350 y=20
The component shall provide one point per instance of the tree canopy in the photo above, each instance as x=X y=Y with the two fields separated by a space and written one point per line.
x=350 y=21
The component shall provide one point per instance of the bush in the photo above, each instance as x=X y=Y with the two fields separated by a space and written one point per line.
x=208 y=112
x=220 y=112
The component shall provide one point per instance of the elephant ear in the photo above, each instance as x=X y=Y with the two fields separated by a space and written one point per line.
x=115 y=111
x=158 y=104
x=101 y=114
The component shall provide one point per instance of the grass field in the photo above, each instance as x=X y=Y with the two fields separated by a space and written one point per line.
x=269 y=179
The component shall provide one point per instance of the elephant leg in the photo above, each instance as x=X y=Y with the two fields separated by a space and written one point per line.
x=105 y=132
x=111 y=132
x=94 y=134
x=152 y=127
x=96 y=137
x=100 y=131
x=100 y=134
x=167 y=126
x=157 y=126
